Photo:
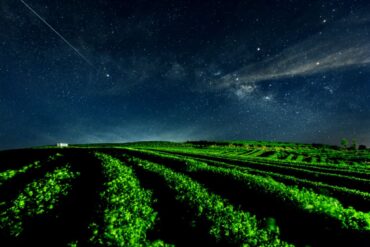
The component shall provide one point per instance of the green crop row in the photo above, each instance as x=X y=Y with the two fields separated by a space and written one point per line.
x=249 y=158
x=9 y=174
x=301 y=199
x=312 y=163
x=288 y=161
x=324 y=160
x=345 y=155
x=126 y=208
x=38 y=197
x=349 y=195
x=227 y=224
x=332 y=178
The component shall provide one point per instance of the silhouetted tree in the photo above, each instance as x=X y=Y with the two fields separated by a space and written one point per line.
x=354 y=144
x=361 y=147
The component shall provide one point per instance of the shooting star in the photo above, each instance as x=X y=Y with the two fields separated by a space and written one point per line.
x=57 y=33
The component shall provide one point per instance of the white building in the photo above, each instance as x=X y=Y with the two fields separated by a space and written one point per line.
x=62 y=145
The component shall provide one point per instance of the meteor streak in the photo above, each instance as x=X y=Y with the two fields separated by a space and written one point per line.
x=57 y=33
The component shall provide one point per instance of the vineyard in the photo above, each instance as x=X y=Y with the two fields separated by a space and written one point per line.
x=185 y=194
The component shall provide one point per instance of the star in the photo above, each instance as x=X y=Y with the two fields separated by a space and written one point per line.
x=267 y=98
x=240 y=69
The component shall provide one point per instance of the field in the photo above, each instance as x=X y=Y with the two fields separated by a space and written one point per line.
x=185 y=194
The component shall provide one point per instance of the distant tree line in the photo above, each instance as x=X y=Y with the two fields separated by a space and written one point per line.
x=353 y=146
x=344 y=144
x=203 y=143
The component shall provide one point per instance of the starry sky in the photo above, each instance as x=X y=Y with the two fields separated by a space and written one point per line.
x=119 y=71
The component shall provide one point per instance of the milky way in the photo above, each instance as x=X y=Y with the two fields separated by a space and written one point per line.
x=183 y=70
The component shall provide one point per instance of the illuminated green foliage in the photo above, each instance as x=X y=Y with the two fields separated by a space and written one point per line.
x=284 y=185
x=73 y=244
x=39 y=197
x=227 y=224
x=126 y=208
x=303 y=199
x=9 y=174
x=347 y=193
x=333 y=158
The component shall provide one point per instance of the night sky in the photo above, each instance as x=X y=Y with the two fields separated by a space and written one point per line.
x=286 y=70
